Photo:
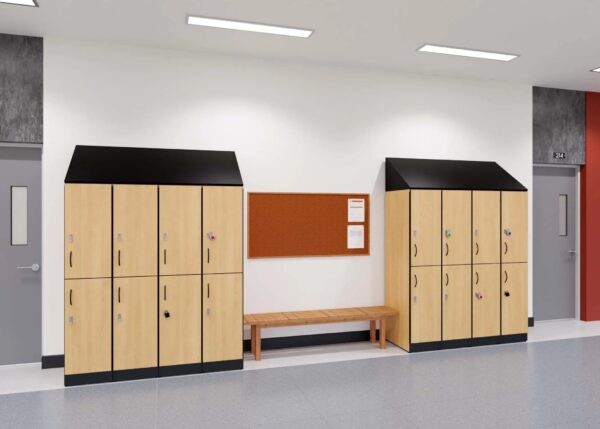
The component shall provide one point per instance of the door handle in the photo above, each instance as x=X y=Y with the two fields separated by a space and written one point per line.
x=165 y=257
x=416 y=250
x=416 y=280
x=119 y=295
x=505 y=247
x=33 y=267
x=447 y=279
x=505 y=276
x=119 y=258
x=208 y=258
x=476 y=277
x=476 y=248
x=208 y=291
x=71 y=259
x=71 y=297
x=164 y=292
x=447 y=249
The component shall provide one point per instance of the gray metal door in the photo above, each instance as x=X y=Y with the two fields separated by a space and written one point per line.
x=20 y=255
x=554 y=241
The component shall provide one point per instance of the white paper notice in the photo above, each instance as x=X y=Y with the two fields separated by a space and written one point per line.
x=356 y=210
x=356 y=236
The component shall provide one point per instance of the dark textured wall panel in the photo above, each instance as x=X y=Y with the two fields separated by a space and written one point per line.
x=558 y=126
x=21 y=89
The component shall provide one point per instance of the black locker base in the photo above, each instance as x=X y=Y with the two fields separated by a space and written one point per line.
x=225 y=365
x=135 y=374
x=172 y=370
x=89 y=378
x=467 y=342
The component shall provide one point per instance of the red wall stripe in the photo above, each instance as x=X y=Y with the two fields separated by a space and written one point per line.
x=590 y=213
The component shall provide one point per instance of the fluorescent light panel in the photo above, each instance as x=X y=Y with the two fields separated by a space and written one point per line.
x=20 y=2
x=435 y=49
x=248 y=26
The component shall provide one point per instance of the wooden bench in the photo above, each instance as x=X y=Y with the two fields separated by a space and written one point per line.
x=337 y=315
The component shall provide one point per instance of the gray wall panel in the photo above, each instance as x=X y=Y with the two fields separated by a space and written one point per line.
x=21 y=89
x=558 y=126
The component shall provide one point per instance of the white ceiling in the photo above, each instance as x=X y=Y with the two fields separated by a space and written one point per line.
x=558 y=40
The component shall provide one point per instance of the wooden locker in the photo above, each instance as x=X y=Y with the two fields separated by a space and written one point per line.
x=514 y=227
x=87 y=326
x=425 y=305
x=222 y=317
x=135 y=324
x=222 y=227
x=425 y=217
x=397 y=266
x=514 y=298
x=456 y=227
x=486 y=227
x=180 y=237
x=135 y=218
x=456 y=302
x=180 y=320
x=87 y=231
x=486 y=300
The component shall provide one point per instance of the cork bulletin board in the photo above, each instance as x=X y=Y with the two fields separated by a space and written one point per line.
x=297 y=225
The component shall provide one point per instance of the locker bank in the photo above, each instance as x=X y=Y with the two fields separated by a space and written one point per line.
x=289 y=215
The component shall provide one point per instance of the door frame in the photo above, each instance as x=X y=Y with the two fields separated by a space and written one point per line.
x=577 y=170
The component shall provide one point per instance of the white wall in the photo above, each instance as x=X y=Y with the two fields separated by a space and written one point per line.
x=294 y=128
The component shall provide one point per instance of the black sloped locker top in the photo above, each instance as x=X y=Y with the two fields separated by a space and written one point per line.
x=127 y=165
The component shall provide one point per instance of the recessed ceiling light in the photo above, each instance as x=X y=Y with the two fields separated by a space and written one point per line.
x=21 y=2
x=596 y=70
x=248 y=26
x=467 y=53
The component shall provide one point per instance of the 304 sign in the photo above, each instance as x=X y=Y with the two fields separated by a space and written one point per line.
x=560 y=155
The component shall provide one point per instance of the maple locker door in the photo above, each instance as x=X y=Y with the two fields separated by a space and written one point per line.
x=425 y=236
x=222 y=229
x=135 y=229
x=87 y=231
x=180 y=236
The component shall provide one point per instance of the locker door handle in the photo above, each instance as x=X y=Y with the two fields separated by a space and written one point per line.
x=447 y=279
x=476 y=248
x=416 y=280
x=165 y=257
x=208 y=257
x=208 y=292
x=505 y=276
x=119 y=258
x=119 y=295
x=71 y=297
x=505 y=247
x=164 y=292
x=447 y=249
x=416 y=250
x=71 y=259
x=476 y=277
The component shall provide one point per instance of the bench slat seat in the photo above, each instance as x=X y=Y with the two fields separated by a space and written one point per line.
x=309 y=317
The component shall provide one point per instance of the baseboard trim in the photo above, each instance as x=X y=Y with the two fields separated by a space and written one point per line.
x=531 y=322
x=53 y=361
x=186 y=369
x=90 y=378
x=226 y=365
x=467 y=342
x=311 y=340
x=135 y=374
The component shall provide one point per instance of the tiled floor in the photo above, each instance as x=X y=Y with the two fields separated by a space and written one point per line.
x=554 y=384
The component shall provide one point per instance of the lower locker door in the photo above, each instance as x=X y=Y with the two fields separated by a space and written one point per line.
x=180 y=303
x=486 y=300
x=456 y=302
x=222 y=317
x=514 y=298
x=425 y=305
x=135 y=323
x=87 y=326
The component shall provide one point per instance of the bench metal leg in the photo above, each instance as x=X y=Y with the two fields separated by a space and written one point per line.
x=382 y=333
x=373 y=336
x=257 y=343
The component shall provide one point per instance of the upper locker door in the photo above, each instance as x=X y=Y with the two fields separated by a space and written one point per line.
x=514 y=227
x=180 y=235
x=222 y=227
x=425 y=220
x=135 y=217
x=456 y=234
x=87 y=231
x=486 y=227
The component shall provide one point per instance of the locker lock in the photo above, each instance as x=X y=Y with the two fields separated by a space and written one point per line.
x=211 y=236
x=167 y=314
x=478 y=295
x=448 y=233
x=508 y=232
x=506 y=293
